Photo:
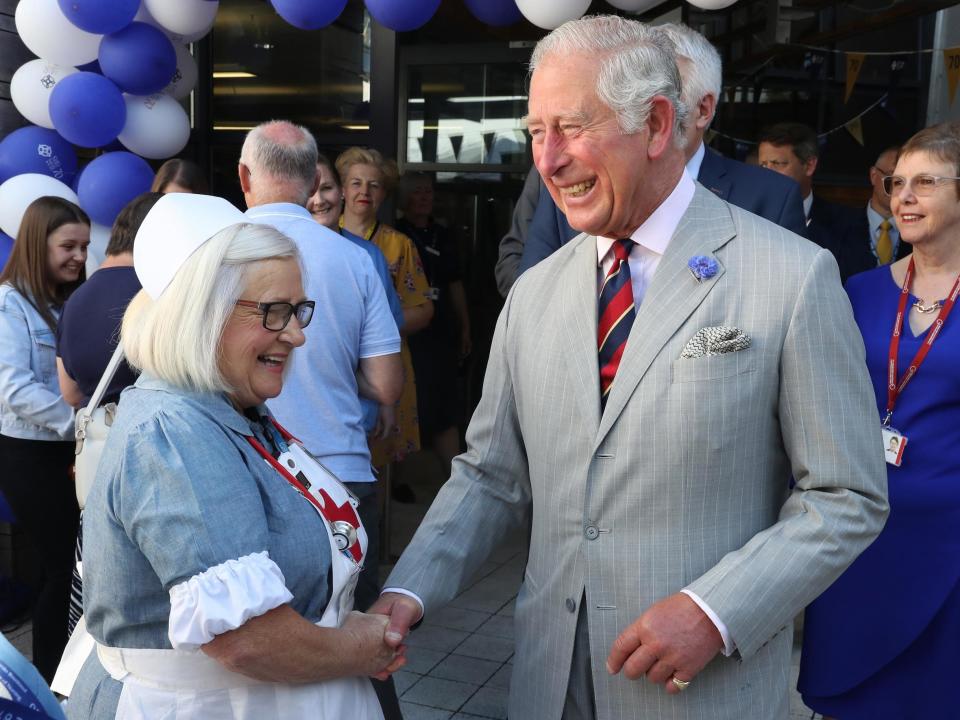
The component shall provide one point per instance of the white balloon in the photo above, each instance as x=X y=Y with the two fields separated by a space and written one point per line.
x=21 y=190
x=48 y=34
x=183 y=17
x=185 y=78
x=157 y=126
x=143 y=15
x=636 y=6
x=550 y=14
x=711 y=4
x=30 y=89
x=97 y=249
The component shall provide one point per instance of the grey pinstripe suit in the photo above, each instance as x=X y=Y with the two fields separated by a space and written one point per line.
x=683 y=482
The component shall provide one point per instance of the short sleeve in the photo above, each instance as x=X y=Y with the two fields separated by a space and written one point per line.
x=187 y=497
x=379 y=334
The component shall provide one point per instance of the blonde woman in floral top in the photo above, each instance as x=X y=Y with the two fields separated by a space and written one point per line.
x=367 y=178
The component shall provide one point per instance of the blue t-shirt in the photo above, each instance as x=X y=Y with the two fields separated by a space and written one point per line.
x=89 y=330
x=371 y=408
x=320 y=403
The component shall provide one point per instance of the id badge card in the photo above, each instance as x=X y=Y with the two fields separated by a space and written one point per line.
x=894 y=443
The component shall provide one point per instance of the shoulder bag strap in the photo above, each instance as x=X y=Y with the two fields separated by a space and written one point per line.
x=108 y=374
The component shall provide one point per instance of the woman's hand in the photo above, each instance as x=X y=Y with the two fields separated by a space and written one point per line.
x=308 y=653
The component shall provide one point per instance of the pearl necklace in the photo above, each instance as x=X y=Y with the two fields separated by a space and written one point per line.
x=924 y=309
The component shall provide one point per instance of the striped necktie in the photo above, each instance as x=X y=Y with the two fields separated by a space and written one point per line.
x=885 y=244
x=615 y=313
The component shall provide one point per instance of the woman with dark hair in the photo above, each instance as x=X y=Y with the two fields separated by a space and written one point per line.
x=36 y=424
x=177 y=175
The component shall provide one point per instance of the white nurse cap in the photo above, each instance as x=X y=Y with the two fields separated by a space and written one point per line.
x=175 y=227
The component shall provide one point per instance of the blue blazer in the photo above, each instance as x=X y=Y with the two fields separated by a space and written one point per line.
x=760 y=191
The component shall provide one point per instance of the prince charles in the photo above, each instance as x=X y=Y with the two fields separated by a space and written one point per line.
x=651 y=389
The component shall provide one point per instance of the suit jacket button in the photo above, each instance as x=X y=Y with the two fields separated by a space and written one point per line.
x=591 y=532
x=571 y=605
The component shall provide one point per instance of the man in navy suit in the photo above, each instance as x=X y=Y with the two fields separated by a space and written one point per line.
x=761 y=192
x=791 y=149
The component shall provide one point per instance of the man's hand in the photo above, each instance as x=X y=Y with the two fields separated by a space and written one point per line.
x=403 y=612
x=673 y=638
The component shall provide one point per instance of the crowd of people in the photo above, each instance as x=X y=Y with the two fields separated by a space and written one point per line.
x=713 y=400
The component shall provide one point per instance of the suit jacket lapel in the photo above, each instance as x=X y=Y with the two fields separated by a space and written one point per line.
x=578 y=323
x=671 y=297
x=713 y=174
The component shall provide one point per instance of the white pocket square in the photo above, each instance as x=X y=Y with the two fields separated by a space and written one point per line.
x=715 y=341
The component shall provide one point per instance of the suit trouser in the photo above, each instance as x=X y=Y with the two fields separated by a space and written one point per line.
x=580 y=703
x=368 y=585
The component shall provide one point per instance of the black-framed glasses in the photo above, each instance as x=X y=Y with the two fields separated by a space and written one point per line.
x=276 y=315
x=922 y=185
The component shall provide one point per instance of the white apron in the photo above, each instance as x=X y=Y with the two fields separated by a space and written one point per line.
x=189 y=685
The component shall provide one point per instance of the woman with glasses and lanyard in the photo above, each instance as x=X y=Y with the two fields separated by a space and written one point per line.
x=884 y=640
x=219 y=561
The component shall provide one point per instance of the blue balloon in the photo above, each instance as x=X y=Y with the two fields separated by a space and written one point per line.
x=35 y=149
x=402 y=15
x=100 y=16
x=140 y=59
x=309 y=14
x=495 y=12
x=87 y=109
x=109 y=182
x=6 y=246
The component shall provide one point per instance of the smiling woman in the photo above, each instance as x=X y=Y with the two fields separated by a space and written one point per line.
x=36 y=424
x=196 y=552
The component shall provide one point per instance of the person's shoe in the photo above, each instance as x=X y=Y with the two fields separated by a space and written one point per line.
x=403 y=493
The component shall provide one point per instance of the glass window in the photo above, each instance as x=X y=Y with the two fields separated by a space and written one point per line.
x=264 y=68
x=467 y=114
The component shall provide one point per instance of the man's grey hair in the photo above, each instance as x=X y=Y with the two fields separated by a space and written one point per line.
x=704 y=75
x=282 y=151
x=636 y=64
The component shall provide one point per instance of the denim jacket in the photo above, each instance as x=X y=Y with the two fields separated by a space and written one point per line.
x=31 y=406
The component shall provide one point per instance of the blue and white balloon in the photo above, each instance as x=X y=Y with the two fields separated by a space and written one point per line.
x=495 y=12
x=183 y=17
x=185 y=76
x=99 y=16
x=402 y=15
x=21 y=190
x=30 y=89
x=157 y=126
x=552 y=13
x=48 y=34
x=35 y=149
x=309 y=14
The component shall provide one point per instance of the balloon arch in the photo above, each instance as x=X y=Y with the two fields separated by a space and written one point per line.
x=110 y=75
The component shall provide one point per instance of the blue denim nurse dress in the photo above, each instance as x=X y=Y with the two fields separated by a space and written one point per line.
x=187 y=534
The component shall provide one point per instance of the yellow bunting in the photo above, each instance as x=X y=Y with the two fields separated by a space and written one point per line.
x=854 y=65
x=951 y=61
x=855 y=128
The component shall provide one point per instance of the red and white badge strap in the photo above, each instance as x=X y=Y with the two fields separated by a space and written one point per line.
x=894 y=388
x=328 y=510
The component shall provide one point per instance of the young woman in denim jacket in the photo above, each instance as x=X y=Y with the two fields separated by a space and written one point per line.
x=36 y=425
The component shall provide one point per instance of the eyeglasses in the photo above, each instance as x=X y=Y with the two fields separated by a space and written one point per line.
x=922 y=185
x=774 y=164
x=276 y=315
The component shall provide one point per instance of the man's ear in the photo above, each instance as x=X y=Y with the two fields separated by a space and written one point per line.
x=704 y=111
x=810 y=166
x=660 y=125
x=244 y=173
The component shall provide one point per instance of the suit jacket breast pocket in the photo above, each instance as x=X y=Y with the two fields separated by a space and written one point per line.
x=714 y=367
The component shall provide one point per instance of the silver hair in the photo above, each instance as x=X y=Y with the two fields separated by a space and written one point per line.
x=281 y=150
x=636 y=64
x=704 y=75
x=177 y=336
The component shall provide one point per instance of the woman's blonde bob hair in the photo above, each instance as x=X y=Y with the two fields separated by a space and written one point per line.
x=176 y=337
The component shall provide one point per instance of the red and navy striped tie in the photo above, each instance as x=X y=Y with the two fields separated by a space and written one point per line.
x=615 y=313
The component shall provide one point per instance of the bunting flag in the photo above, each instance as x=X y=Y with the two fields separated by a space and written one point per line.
x=951 y=61
x=855 y=128
x=854 y=65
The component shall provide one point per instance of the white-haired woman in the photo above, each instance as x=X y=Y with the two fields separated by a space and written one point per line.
x=218 y=583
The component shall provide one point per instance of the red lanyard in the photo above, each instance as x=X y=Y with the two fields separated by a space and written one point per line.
x=893 y=387
x=328 y=510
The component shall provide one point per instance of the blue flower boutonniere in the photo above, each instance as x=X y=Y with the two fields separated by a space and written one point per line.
x=702 y=267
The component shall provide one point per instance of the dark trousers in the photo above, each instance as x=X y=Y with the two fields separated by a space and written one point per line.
x=35 y=478
x=368 y=585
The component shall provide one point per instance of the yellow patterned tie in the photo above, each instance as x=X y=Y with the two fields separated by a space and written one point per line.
x=884 y=244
